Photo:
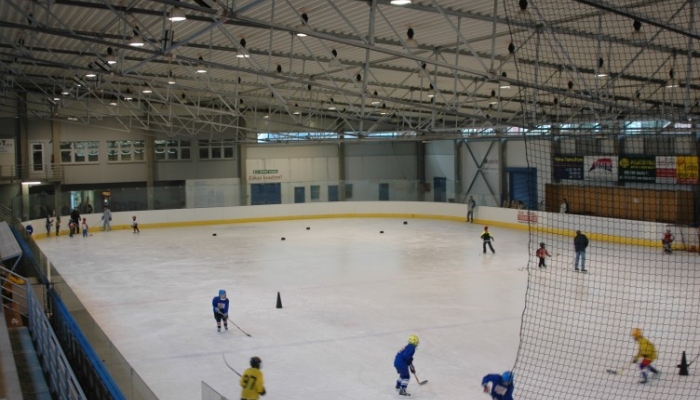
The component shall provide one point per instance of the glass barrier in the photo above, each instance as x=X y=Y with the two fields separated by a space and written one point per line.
x=215 y=193
x=208 y=393
x=129 y=382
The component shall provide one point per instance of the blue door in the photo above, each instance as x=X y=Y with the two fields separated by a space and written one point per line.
x=299 y=194
x=439 y=189
x=333 y=193
x=522 y=185
x=265 y=193
x=383 y=191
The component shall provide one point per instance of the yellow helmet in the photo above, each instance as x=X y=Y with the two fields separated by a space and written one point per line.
x=413 y=339
x=636 y=333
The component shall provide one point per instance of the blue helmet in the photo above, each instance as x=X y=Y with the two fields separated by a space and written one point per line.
x=222 y=292
x=507 y=377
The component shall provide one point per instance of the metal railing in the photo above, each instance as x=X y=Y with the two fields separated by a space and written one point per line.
x=20 y=298
x=36 y=172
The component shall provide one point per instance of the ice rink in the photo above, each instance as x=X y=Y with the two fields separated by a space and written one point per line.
x=351 y=296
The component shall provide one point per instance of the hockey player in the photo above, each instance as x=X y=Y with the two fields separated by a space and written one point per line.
x=487 y=238
x=501 y=385
x=220 y=307
x=252 y=381
x=541 y=254
x=403 y=362
x=647 y=353
x=667 y=240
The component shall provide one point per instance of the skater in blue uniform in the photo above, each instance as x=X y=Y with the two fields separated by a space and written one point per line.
x=220 y=307
x=403 y=362
x=501 y=385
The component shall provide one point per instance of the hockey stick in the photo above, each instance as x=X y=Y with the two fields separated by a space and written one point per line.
x=418 y=380
x=619 y=370
x=229 y=367
x=239 y=328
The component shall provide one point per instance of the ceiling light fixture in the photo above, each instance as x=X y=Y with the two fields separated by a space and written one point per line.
x=601 y=73
x=171 y=78
x=146 y=89
x=127 y=95
x=493 y=100
x=201 y=69
x=503 y=85
x=177 y=15
x=334 y=62
x=672 y=82
x=90 y=73
x=400 y=2
x=111 y=57
x=304 y=26
x=135 y=40
x=411 y=43
x=242 y=52
x=375 y=100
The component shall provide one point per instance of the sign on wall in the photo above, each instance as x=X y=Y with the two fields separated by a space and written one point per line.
x=568 y=167
x=600 y=168
x=638 y=169
x=666 y=169
x=7 y=146
x=686 y=170
x=265 y=175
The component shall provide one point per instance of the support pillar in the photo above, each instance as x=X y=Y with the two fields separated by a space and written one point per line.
x=150 y=172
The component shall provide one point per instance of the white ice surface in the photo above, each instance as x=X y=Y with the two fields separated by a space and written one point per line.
x=351 y=297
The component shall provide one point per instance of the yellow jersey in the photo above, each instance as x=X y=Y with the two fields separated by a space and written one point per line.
x=252 y=383
x=646 y=350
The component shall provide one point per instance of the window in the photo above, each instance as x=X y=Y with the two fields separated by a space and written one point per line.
x=348 y=190
x=80 y=152
x=216 y=149
x=125 y=150
x=172 y=149
x=294 y=136
x=315 y=192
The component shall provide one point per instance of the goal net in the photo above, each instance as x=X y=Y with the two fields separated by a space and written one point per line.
x=609 y=120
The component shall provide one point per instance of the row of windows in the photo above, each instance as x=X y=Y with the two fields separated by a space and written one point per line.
x=134 y=150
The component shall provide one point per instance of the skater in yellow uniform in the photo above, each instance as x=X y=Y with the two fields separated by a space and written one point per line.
x=647 y=353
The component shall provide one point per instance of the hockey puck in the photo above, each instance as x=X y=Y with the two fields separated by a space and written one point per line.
x=308 y=228
x=284 y=239
x=213 y=234
x=405 y=222
x=381 y=231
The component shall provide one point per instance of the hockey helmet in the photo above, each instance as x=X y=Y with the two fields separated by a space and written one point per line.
x=542 y=244
x=507 y=377
x=486 y=228
x=255 y=362
x=133 y=217
x=413 y=339
x=222 y=293
x=636 y=333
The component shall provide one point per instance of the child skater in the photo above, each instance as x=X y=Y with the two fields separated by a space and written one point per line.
x=58 y=224
x=647 y=353
x=135 y=225
x=220 y=306
x=541 y=254
x=85 y=227
x=487 y=238
x=403 y=362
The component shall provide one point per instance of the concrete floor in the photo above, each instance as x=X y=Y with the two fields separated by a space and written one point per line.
x=351 y=296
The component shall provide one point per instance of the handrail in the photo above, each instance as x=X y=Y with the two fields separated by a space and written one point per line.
x=35 y=172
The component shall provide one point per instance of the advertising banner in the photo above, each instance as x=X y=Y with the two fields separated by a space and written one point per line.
x=600 y=168
x=686 y=170
x=638 y=169
x=567 y=167
x=666 y=169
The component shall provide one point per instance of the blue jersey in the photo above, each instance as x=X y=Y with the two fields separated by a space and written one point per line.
x=499 y=390
x=220 y=305
x=404 y=357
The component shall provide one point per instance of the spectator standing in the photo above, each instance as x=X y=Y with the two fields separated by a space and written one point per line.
x=580 y=245
x=471 y=205
x=564 y=207
x=106 y=219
